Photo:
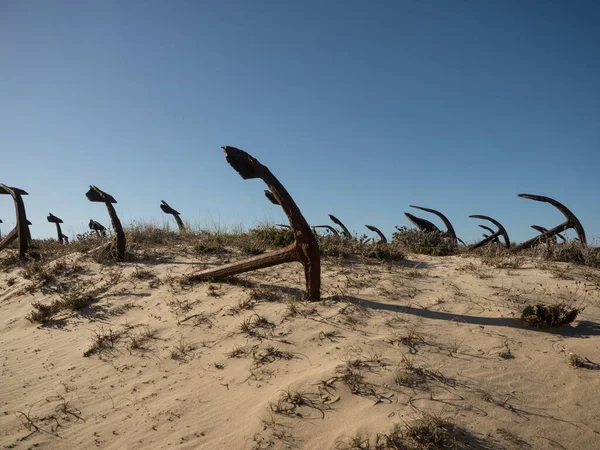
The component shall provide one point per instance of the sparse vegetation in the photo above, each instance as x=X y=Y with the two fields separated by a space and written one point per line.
x=553 y=315
x=104 y=338
x=366 y=320
x=429 y=432
x=182 y=350
x=426 y=243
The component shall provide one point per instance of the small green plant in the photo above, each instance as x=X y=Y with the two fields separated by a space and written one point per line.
x=542 y=316
x=576 y=360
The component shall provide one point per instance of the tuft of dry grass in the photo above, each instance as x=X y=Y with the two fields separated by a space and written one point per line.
x=103 y=339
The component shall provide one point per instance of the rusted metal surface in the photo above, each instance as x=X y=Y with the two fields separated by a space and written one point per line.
x=422 y=224
x=338 y=222
x=449 y=228
x=327 y=227
x=544 y=230
x=97 y=227
x=571 y=222
x=21 y=231
x=485 y=227
x=305 y=248
x=501 y=232
x=57 y=221
x=378 y=231
x=29 y=231
x=99 y=196
x=168 y=210
x=271 y=197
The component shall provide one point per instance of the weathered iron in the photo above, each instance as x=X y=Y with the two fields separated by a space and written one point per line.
x=57 y=221
x=485 y=227
x=544 y=230
x=21 y=231
x=338 y=222
x=422 y=224
x=271 y=197
x=571 y=222
x=378 y=231
x=305 y=248
x=327 y=227
x=168 y=210
x=501 y=232
x=97 y=227
x=99 y=196
x=449 y=228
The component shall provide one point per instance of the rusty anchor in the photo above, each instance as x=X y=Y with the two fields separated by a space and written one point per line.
x=485 y=227
x=21 y=231
x=55 y=220
x=500 y=232
x=382 y=237
x=544 y=230
x=99 y=196
x=305 y=248
x=422 y=224
x=327 y=227
x=98 y=228
x=449 y=228
x=338 y=222
x=571 y=222
x=168 y=210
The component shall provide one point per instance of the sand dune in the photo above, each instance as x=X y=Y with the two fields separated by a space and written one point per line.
x=247 y=364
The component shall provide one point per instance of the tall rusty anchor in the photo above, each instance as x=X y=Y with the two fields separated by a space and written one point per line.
x=374 y=229
x=493 y=237
x=332 y=230
x=345 y=230
x=571 y=222
x=21 y=230
x=426 y=225
x=96 y=195
x=168 y=210
x=304 y=249
x=421 y=224
x=55 y=220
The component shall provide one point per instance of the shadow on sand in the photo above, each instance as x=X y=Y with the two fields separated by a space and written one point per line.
x=583 y=328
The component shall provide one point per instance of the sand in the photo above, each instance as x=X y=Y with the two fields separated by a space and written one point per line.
x=246 y=364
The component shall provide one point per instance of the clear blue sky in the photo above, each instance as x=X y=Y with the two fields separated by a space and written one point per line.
x=360 y=109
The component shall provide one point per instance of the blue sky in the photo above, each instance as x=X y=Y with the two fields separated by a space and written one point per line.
x=360 y=109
